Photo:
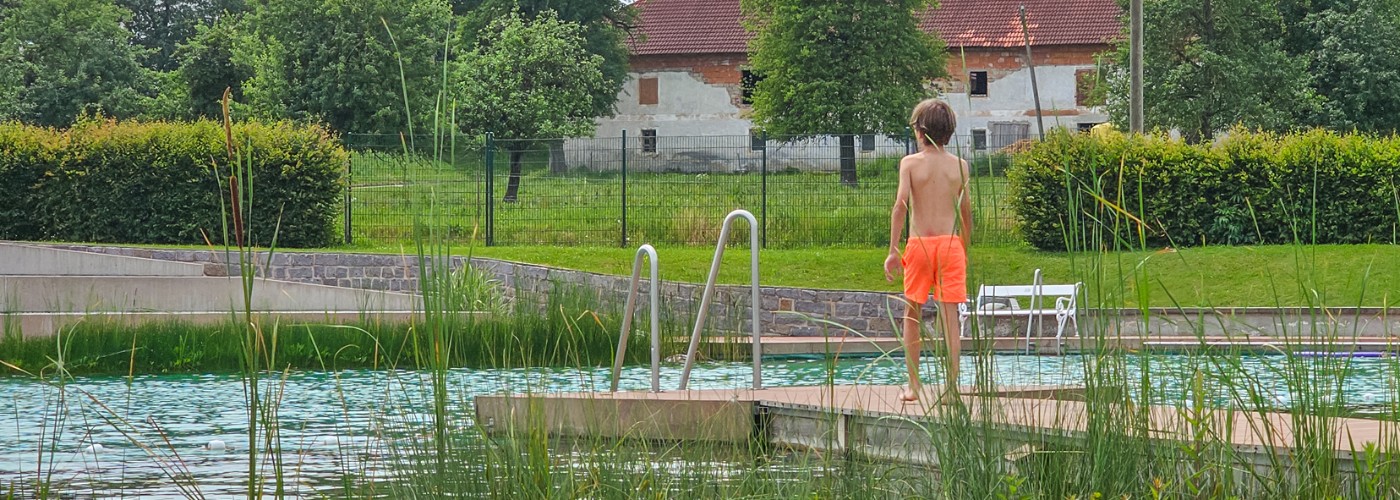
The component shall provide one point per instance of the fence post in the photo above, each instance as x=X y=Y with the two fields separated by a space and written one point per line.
x=349 y=198
x=908 y=141
x=763 y=175
x=624 y=188
x=490 y=189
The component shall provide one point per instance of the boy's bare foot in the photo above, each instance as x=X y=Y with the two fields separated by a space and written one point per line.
x=910 y=395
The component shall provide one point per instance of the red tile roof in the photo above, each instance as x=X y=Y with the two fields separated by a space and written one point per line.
x=713 y=26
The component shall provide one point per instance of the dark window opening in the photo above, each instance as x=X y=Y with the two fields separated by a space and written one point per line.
x=648 y=140
x=1086 y=92
x=979 y=139
x=748 y=81
x=867 y=142
x=977 y=83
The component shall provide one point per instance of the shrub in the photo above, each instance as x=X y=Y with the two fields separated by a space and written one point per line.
x=132 y=182
x=1088 y=192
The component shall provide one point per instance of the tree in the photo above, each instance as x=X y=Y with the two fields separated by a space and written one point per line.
x=839 y=67
x=208 y=66
x=63 y=58
x=526 y=80
x=1209 y=65
x=334 y=60
x=1352 y=48
x=162 y=25
x=604 y=25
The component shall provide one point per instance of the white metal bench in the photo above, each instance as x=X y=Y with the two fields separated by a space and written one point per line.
x=1000 y=301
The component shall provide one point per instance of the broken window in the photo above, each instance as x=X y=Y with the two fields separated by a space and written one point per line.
x=979 y=139
x=977 y=83
x=648 y=140
x=748 y=81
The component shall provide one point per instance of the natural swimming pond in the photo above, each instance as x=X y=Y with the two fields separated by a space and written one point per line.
x=335 y=424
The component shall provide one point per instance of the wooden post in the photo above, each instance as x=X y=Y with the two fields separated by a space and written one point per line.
x=1030 y=62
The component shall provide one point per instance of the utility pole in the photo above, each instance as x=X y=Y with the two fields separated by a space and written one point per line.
x=1135 y=94
x=1030 y=62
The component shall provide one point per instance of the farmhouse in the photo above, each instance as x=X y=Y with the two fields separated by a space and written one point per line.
x=690 y=81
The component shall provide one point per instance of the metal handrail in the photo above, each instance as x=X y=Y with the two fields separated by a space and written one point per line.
x=650 y=253
x=1035 y=306
x=709 y=291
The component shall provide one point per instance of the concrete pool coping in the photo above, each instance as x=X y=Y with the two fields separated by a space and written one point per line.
x=869 y=421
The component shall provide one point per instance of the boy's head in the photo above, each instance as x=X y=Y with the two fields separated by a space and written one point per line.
x=934 y=120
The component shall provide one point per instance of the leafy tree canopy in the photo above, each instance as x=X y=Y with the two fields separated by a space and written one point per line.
x=840 y=67
x=529 y=79
x=162 y=25
x=63 y=58
x=208 y=66
x=1353 y=52
x=335 y=61
x=849 y=67
x=603 y=24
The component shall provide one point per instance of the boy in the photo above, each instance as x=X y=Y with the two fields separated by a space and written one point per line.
x=933 y=191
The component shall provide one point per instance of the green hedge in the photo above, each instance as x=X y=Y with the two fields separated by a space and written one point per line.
x=132 y=182
x=1085 y=191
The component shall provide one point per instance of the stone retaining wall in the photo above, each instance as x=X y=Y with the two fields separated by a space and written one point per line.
x=785 y=311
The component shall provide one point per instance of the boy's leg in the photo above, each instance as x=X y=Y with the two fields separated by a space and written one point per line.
x=913 y=347
x=952 y=334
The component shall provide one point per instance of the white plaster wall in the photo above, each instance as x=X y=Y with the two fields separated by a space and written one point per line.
x=699 y=129
x=1009 y=98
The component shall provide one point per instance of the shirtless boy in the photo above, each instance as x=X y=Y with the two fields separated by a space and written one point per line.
x=933 y=192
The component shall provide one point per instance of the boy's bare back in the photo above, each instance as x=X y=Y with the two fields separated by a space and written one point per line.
x=937 y=183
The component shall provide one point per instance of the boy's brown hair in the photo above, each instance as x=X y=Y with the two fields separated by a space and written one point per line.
x=934 y=119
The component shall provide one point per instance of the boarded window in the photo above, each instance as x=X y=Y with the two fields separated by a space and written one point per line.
x=646 y=91
x=1086 y=82
x=648 y=140
x=979 y=139
x=1003 y=134
x=756 y=140
x=867 y=142
x=977 y=83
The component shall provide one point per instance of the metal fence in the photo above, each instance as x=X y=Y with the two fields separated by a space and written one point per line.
x=628 y=190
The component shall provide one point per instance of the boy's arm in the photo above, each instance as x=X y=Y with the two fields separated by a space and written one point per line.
x=897 y=215
x=965 y=208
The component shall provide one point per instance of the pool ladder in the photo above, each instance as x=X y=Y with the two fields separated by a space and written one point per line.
x=650 y=252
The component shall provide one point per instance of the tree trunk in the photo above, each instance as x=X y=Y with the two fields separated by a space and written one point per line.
x=513 y=185
x=848 y=160
x=556 y=157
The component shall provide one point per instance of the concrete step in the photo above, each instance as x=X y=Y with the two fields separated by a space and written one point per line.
x=25 y=260
x=63 y=293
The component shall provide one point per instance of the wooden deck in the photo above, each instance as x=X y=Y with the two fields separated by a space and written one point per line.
x=871 y=421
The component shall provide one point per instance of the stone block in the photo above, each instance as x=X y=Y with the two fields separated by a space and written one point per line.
x=300 y=259
x=843 y=310
x=806 y=307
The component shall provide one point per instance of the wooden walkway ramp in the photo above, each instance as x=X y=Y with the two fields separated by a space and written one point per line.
x=871 y=422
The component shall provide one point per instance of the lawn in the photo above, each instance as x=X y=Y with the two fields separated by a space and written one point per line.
x=585 y=207
x=1289 y=275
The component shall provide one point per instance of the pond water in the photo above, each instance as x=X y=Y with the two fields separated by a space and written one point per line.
x=332 y=421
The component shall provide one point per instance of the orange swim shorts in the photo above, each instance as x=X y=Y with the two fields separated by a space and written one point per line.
x=936 y=263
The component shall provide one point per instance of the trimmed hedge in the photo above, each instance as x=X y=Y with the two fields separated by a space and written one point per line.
x=1083 y=191
x=132 y=182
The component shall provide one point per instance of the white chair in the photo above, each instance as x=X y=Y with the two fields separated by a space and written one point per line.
x=1000 y=301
